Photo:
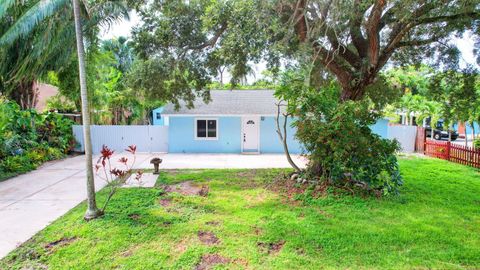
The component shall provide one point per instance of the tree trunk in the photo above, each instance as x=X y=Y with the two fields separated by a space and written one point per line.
x=25 y=94
x=466 y=135
x=283 y=139
x=92 y=210
x=220 y=70
x=473 y=131
x=449 y=133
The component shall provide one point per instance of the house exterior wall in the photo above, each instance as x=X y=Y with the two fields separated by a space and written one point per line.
x=182 y=135
x=380 y=128
x=156 y=121
x=269 y=140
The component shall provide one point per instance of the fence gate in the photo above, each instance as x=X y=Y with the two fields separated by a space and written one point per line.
x=405 y=135
x=420 y=140
x=146 y=138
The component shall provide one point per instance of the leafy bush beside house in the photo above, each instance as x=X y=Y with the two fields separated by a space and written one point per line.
x=28 y=138
x=343 y=150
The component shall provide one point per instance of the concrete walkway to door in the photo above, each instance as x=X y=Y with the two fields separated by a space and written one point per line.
x=29 y=202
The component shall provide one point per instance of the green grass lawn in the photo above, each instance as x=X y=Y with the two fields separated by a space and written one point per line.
x=434 y=223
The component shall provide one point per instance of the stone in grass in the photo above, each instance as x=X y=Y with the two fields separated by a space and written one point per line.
x=147 y=180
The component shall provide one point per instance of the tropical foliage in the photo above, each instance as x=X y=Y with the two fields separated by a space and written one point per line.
x=39 y=36
x=27 y=138
x=449 y=95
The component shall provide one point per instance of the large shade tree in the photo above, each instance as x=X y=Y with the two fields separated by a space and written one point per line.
x=352 y=40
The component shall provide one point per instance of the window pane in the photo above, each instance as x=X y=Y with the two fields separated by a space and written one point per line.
x=201 y=128
x=212 y=128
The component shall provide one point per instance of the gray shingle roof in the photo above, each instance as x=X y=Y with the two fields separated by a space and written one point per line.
x=230 y=102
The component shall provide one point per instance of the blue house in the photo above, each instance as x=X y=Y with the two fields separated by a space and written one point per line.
x=236 y=121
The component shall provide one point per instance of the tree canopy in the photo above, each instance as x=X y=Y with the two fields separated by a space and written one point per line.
x=351 y=40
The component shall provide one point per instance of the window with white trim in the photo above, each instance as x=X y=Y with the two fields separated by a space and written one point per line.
x=206 y=129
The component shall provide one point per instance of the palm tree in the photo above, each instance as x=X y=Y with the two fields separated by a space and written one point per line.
x=38 y=36
x=48 y=27
x=92 y=209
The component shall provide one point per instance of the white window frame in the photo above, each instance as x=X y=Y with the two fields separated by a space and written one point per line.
x=206 y=138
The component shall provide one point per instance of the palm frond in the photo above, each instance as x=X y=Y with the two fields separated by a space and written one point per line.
x=107 y=13
x=4 y=6
x=30 y=19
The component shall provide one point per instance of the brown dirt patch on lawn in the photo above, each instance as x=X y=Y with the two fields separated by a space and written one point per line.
x=208 y=238
x=208 y=261
x=134 y=216
x=165 y=202
x=213 y=223
x=187 y=188
x=271 y=248
x=61 y=242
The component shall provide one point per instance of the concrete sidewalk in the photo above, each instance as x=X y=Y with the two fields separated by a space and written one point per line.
x=29 y=202
x=222 y=161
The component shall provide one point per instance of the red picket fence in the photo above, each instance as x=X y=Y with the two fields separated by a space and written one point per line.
x=453 y=152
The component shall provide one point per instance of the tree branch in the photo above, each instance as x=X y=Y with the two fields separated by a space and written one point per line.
x=327 y=58
x=358 y=40
x=283 y=137
x=373 y=35
x=342 y=50
x=300 y=22
x=212 y=41
x=418 y=42
x=448 y=18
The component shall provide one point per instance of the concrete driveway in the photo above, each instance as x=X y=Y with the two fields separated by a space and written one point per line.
x=29 y=202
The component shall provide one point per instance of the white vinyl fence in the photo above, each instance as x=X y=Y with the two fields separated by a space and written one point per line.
x=146 y=138
x=405 y=135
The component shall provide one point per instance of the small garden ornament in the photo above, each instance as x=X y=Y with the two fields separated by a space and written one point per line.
x=156 y=163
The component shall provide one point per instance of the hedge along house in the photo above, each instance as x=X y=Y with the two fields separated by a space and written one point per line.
x=234 y=121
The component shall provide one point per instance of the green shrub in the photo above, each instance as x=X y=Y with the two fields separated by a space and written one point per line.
x=36 y=156
x=54 y=153
x=19 y=164
x=337 y=138
x=476 y=143
x=56 y=131
x=27 y=138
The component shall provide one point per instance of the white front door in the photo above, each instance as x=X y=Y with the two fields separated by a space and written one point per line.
x=250 y=134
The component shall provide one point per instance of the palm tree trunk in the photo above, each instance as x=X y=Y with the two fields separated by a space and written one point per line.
x=92 y=210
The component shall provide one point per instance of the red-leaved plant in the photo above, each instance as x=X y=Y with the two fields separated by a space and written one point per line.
x=116 y=177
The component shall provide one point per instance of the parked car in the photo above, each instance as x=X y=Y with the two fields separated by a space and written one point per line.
x=439 y=133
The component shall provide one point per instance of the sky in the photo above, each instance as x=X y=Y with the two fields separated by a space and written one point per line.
x=124 y=27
